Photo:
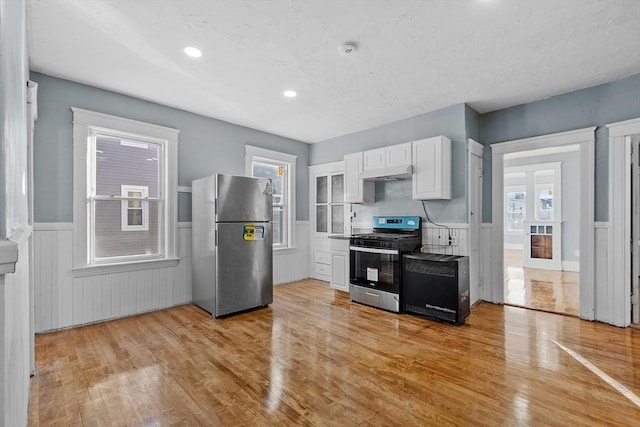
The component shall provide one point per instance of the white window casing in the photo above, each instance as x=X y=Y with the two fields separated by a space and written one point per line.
x=88 y=124
x=256 y=154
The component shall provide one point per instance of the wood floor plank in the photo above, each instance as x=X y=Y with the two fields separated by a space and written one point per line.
x=314 y=358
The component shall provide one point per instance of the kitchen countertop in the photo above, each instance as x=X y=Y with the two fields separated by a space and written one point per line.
x=340 y=236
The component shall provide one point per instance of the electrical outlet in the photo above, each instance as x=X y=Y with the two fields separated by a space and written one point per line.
x=453 y=241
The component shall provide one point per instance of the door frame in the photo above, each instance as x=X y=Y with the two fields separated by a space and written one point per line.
x=585 y=138
x=619 y=249
x=475 y=149
x=32 y=117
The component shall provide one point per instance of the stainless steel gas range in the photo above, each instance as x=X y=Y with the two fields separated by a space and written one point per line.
x=376 y=260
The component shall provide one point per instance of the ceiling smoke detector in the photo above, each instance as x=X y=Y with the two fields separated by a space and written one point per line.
x=347 y=48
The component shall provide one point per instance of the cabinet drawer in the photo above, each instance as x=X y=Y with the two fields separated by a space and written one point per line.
x=322 y=257
x=341 y=245
x=321 y=244
x=323 y=269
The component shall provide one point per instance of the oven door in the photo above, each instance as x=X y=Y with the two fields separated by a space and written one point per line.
x=375 y=268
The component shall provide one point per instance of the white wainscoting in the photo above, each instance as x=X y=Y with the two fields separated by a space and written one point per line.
x=485 y=292
x=15 y=338
x=291 y=265
x=604 y=303
x=62 y=301
x=436 y=239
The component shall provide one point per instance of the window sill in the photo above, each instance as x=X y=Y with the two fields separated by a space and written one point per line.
x=123 y=267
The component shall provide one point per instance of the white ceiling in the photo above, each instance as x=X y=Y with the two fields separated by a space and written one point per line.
x=413 y=57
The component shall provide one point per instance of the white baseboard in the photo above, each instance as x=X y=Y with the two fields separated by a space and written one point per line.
x=571 y=266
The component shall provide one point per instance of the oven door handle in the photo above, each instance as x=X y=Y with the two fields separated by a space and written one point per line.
x=374 y=250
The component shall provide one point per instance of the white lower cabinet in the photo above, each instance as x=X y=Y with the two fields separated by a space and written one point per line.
x=339 y=264
x=321 y=259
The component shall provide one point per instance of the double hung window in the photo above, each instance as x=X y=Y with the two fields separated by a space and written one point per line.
x=281 y=169
x=124 y=191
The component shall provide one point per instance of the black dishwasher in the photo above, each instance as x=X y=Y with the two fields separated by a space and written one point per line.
x=436 y=286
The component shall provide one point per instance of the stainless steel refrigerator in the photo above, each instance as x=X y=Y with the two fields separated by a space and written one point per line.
x=232 y=243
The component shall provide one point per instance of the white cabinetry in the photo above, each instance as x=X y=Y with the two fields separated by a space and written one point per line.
x=388 y=157
x=356 y=190
x=321 y=259
x=374 y=159
x=432 y=168
x=339 y=264
x=330 y=215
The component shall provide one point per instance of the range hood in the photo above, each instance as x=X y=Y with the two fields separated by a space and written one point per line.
x=394 y=173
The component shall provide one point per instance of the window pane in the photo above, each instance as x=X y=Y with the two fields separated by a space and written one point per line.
x=111 y=241
x=278 y=226
x=337 y=188
x=321 y=189
x=321 y=218
x=337 y=219
x=135 y=204
x=120 y=162
x=277 y=174
x=134 y=217
x=545 y=204
x=516 y=210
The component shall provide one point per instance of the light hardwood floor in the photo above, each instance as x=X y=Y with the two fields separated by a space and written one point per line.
x=314 y=358
x=548 y=290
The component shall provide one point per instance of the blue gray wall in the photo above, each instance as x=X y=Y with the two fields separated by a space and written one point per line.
x=206 y=146
x=595 y=106
x=209 y=146
x=395 y=197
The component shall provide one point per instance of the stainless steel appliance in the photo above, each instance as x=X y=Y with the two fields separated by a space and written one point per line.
x=232 y=243
x=436 y=286
x=376 y=260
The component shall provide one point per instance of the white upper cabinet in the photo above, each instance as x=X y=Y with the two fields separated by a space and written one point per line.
x=432 y=168
x=398 y=155
x=374 y=159
x=356 y=190
x=387 y=157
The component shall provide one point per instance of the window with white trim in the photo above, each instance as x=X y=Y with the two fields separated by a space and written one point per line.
x=281 y=169
x=125 y=192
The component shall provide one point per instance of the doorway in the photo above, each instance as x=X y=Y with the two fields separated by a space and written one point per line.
x=584 y=139
x=541 y=229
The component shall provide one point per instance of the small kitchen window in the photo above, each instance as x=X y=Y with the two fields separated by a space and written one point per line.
x=281 y=169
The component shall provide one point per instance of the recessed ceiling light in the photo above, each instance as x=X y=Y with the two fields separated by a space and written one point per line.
x=290 y=93
x=193 y=52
